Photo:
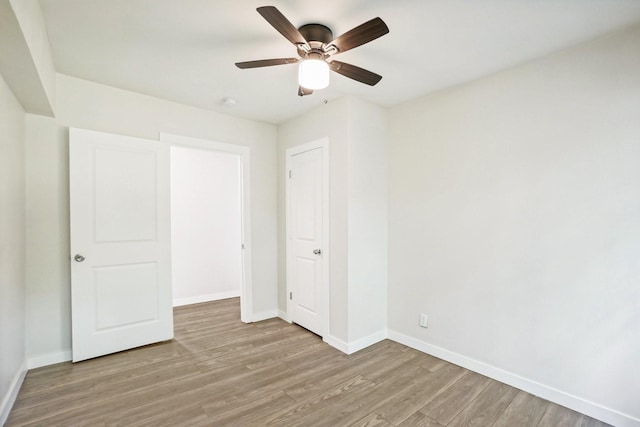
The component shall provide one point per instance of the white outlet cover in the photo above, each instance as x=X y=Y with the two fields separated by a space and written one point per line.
x=424 y=320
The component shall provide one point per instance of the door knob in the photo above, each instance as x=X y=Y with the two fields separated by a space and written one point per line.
x=317 y=251
x=78 y=258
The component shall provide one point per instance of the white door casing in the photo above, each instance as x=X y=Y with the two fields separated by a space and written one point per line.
x=246 y=297
x=120 y=243
x=307 y=236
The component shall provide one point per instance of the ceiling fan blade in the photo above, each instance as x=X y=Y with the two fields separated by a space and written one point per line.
x=282 y=24
x=360 y=35
x=266 y=62
x=302 y=91
x=355 y=73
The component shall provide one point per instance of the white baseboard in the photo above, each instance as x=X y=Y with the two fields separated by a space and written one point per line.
x=177 y=302
x=270 y=314
x=48 y=359
x=336 y=343
x=570 y=401
x=284 y=316
x=352 y=347
x=365 y=342
x=10 y=397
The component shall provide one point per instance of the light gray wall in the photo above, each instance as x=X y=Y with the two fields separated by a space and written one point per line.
x=92 y=106
x=12 y=246
x=367 y=216
x=514 y=221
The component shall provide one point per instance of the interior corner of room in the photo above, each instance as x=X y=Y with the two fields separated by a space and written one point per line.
x=506 y=208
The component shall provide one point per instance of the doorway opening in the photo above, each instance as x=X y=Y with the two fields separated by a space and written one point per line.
x=206 y=253
x=210 y=235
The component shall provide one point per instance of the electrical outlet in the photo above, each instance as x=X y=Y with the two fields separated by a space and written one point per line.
x=423 y=320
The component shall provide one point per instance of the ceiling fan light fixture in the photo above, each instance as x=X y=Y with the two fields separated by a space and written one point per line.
x=313 y=74
x=316 y=45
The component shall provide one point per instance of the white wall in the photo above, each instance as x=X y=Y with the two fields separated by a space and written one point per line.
x=367 y=223
x=92 y=106
x=12 y=249
x=205 y=225
x=47 y=253
x=31 y=21
x=514 y=223
x=29 y=72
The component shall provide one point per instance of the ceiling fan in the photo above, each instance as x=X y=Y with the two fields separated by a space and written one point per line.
x=316 y=45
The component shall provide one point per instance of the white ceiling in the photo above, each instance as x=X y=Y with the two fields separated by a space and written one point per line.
x=185 y=50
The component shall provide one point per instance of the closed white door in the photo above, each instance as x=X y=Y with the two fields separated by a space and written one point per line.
x=120 y=243
x=305 y=261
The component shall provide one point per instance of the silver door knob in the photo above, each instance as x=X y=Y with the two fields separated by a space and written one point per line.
x=317 y=251
x=78 y=258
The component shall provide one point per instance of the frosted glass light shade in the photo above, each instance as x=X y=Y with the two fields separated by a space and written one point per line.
x=313 y=74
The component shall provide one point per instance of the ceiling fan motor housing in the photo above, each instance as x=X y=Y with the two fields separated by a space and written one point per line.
x=316 y=32
x=317 y=35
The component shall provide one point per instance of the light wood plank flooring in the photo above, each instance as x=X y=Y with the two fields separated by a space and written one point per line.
x=218 y=371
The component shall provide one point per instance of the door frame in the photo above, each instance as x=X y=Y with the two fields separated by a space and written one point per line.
x=323 y=144
x=243 y=152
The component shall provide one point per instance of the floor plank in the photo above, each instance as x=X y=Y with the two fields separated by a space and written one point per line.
x=556 y=415
x=413 y=397
x=487 y=407
x=220 y=371
x=419 y=419
x=524 y=410
x=445 y=406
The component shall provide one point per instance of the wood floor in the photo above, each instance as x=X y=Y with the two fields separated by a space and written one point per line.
x=218 y=371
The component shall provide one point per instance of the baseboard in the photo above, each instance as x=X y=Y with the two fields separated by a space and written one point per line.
x=177 y=302
x=366 y=341
x=336 y=343
x=284 y=316
x=352 y=347
x=10 y=397
x=49 y=359
x=570 y=401
x=264 y=315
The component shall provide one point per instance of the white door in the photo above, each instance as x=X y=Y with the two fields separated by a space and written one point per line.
x=306 y=249
x=120 y=243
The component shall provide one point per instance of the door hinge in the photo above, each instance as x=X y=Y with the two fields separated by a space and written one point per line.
x=243 y=246
x=290 y=295
x=289 y=174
